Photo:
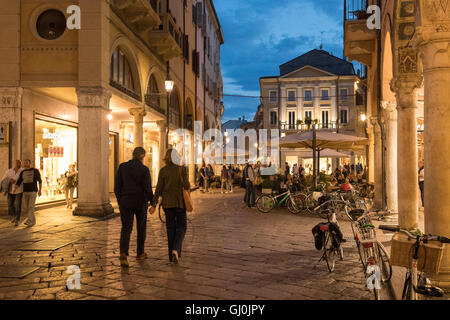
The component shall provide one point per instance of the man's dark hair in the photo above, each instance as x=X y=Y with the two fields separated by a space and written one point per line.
x=138 y=153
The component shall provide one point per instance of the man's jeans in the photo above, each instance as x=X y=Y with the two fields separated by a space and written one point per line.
x=29 y=200
x=15 y=205
x=176 y=229
x=127 y=217
x=250 y=193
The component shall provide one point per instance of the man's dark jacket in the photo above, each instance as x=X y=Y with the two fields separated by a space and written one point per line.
x=133 y=184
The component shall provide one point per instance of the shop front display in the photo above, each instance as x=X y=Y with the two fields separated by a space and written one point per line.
x=55 y=151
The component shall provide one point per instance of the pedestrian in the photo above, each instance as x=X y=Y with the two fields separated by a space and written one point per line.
x=71 y=183
x=14 y=197
x=422 y=181
x=30 y=178
x=172 y=180
x=133 y=190
x=287 y=171
x=301 y=171
x=230 y=178
x=249 y=176
x=295 y=170
x=210 y=175
x=202 y=177
x=224 y=180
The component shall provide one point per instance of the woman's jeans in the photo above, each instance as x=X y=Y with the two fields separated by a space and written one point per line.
x=15 y=205
x=249 y=193
x=176 y=229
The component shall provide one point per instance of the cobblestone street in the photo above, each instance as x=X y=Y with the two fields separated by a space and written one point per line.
x=230 y=252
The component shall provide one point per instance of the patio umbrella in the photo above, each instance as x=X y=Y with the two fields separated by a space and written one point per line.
x=320 y=140
x=325 y=153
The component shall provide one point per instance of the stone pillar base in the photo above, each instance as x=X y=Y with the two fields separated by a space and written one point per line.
x=94 y=210
x=3 y=206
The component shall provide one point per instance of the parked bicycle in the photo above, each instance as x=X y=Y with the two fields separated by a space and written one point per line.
x=415 y=281
x=372 y=253
x=266 y=202
x=331 y=235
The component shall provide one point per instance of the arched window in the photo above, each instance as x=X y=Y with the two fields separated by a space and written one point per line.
x=121 y=75
x=175 y=114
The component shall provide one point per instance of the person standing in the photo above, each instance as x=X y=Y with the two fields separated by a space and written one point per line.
x=224 y=180
x=30 y=178
x=202 y=177
x=230 y=178
x=301 y=171
x=210 y=175
x=172 y=180
x=287 y=171
x=133 y=190
x=249 y=175
x=71 y=183
x=295 y=170
x=422 y=182
x=14 y=197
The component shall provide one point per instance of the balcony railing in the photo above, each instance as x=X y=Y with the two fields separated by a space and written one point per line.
x=166 y=39
x=331 y=126
x=152 y=102
x=356 y=9
x=127 y=91
x=141 y=15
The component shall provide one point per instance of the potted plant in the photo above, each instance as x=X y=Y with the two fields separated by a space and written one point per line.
x=308 y=122
x=299 y=124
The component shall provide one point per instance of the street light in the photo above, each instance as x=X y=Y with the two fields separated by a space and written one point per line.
x=168 y=83
x=363 y=117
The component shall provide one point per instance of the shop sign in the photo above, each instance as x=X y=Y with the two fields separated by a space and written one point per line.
x=4 y=132
x=55 y=152
x=50 y=135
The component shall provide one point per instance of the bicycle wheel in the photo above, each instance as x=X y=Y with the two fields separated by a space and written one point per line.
x=265 y=203
x=384 y=263
x=309 y=203
x=293 y=206
x=406 y=294
x=329 y=252
x=161 y=214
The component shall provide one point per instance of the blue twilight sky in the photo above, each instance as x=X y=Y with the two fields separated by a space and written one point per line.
x=262 y=34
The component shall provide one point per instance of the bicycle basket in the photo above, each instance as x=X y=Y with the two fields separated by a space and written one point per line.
x=356 y=213
x=430 y=254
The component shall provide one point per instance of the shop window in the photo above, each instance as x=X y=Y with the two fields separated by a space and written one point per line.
x=55 y=150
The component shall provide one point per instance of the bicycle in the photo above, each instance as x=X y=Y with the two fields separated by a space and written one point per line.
x=332 y=243
x=266 y=202
x=372 y=254
x=415 y=281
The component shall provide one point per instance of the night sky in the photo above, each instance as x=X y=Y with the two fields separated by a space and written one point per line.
x=262 y=34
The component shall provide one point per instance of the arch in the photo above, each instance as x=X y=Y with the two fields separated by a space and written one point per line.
x=387 y=66
x=175 y=108
x=189 y=115
x=121 y=46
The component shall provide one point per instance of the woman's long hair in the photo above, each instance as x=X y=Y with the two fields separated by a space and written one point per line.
x=172 y=157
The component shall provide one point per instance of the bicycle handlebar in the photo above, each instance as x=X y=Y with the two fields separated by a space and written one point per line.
x=411 y=235
x=332 y=200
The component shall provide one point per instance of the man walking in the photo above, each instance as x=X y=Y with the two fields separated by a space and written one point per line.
x=14 y=197
x=30 y=178
x=133 y=190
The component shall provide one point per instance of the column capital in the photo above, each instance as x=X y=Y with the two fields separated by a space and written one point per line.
x=137 y=113
x=89 y=97
x=390 y=110
x=162 y=125
x=405 y=90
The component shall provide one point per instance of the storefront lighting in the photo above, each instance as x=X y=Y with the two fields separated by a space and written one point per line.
x=228 y=140
x=65 y=116
x=363 y=117
x=109 y=116
x=225 y=134
x=283 y=134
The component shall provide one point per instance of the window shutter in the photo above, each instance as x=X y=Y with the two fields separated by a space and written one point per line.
x=194 y=14
x=199 y=14
x=186 y=48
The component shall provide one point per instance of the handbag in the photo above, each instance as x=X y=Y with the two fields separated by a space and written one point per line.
x=186 y=194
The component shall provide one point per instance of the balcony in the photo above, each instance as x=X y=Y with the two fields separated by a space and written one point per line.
x=359 y=40
x=139 y=15
x=166 y=39
x=125 y=90
x=153 y=102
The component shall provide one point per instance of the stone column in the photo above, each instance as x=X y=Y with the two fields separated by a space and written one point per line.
x=162 y=141
x=405 y=91
x=138 y=114
x=390 y=116
x=371 y=160
x=377 y=164
x=93 y=152
x=433 y=43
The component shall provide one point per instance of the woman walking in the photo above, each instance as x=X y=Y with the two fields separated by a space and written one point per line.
x=172 y=179
x=71 y=184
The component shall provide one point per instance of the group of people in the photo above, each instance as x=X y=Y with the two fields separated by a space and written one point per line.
x=133 y=190
x=23 y=185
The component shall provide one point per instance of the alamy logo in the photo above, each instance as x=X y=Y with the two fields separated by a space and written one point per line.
x=374 y=21
x=74 y=280
x=374 y=281
x=74 y=20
